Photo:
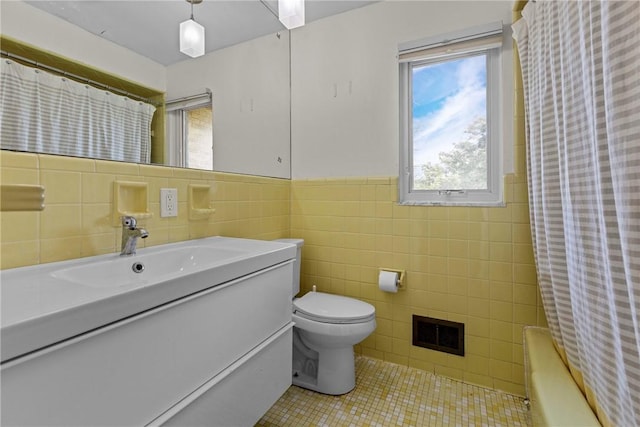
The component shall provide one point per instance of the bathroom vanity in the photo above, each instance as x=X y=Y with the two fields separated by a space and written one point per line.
x=194 y=333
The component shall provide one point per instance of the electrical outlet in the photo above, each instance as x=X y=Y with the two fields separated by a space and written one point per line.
x=168 y=202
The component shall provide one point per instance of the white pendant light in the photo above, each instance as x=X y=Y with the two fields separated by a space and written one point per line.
x=291 y=13
x=192 y=35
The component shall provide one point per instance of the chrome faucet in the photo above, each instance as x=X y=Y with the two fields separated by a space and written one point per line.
x=130 y=234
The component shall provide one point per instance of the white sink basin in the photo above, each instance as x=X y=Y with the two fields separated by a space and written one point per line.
x=147 y=268
x=45 y=304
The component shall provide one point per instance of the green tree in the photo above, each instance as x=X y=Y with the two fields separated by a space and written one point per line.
x=462 y=167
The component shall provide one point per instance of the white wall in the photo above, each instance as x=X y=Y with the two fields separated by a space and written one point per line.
x=345 y=101
x=250 y=91
x=30 y=25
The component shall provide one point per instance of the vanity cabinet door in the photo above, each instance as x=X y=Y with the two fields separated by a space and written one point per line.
x=130 y=372
x=243 y=393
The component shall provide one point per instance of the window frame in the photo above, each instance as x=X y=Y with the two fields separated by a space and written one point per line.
x=493 y=196
x=176 y=126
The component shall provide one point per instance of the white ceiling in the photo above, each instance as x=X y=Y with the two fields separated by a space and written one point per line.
x=150 y=27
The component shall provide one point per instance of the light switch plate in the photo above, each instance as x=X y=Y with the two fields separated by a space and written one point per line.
x=168 y=202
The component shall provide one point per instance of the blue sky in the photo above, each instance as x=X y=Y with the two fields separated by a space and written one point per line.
x=447 y=97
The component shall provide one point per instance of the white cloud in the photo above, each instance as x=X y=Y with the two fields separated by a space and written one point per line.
x=438 y=130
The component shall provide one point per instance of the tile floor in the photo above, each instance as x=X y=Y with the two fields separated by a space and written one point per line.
x=393 y=395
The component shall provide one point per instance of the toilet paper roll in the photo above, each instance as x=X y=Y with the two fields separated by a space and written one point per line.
x=388 y=281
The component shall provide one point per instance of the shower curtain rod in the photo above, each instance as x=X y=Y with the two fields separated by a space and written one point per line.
x=63 y=73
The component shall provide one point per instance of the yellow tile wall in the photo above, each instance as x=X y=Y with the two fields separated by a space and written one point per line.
x=77 y=221
x=466 y=264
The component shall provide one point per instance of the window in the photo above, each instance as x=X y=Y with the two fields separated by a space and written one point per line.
x=199 y=138
x=190 y=132
x=450 y=119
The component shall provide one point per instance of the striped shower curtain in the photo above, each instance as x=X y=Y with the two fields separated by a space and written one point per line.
x=44 y=113
x=581 y=74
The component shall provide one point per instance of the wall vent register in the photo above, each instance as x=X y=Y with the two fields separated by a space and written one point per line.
x=438 y=334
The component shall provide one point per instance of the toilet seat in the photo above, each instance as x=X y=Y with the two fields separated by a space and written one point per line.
x=327 y=308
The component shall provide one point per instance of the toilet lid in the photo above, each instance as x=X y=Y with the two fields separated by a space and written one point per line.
x=329 y=308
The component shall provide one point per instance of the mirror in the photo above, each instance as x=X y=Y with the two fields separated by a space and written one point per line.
x=249 y=81
x=250 y=96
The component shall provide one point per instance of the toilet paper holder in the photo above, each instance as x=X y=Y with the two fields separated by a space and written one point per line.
x=400 y=276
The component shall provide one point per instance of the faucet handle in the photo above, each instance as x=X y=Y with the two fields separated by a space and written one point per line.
x=129 y=222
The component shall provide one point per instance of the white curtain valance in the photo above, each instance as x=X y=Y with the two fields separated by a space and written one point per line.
x=45 y=113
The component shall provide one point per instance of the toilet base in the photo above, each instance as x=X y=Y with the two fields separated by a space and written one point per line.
x=336 y=372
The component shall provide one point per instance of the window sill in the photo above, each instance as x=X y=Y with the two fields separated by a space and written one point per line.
x=499 y=204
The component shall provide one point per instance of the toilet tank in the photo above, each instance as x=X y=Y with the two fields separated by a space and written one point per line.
x=296 y=266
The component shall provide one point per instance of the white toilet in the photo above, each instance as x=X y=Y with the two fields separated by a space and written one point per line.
x=326 y=329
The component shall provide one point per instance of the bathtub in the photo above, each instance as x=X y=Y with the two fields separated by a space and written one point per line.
x=555 y=399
